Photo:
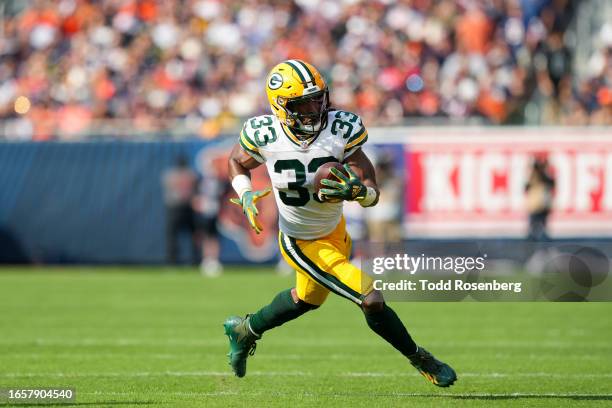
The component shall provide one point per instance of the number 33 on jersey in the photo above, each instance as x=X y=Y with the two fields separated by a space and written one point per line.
x=292 y=164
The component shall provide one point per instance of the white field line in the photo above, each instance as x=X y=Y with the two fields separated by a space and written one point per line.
x=152 y=374
x=487 y=375
x=391 y=394
x=293 y=374
x=296 y=342
x=95 y=355
x=262 y=356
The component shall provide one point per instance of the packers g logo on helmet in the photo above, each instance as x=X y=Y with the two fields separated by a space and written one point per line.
x=299 y=97
x=275 y=81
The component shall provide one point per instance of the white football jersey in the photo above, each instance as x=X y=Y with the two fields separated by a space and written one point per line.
x=292 y=165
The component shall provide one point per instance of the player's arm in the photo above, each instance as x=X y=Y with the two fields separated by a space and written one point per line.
x=363 y=168
x=239 y=168
x=359 y=185
x=241 y=163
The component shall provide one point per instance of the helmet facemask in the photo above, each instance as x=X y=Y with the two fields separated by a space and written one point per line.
x=307 y=115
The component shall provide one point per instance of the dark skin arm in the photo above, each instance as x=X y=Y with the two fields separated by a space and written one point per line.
x=362 y=166
x=240 y=162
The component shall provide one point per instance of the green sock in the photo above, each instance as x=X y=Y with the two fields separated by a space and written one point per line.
x=388 y=326
x=282 y=309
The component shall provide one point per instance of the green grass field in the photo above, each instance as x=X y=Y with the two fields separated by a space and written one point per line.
x=154 y=336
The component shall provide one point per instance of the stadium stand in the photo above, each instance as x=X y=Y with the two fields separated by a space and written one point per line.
x=131 y=68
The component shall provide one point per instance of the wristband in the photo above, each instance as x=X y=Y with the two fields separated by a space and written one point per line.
x=242 y=184
x=370 y=197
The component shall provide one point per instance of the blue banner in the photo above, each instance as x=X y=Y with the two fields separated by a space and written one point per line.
x=93 y=202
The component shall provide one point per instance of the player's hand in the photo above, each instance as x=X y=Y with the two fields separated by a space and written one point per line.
x=249 y=207
x=347 y=188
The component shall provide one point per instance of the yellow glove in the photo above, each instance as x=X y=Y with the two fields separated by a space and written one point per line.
x=249 y=208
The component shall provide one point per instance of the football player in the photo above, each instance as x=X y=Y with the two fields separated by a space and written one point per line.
x=303 y=133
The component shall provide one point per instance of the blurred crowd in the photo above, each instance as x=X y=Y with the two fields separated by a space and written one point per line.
x=158 y=66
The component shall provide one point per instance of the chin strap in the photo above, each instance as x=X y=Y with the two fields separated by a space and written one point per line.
x=295 y=133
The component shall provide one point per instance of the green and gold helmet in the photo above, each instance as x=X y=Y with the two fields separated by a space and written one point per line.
x=299 y=97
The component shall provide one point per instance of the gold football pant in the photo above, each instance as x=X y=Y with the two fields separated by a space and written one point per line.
x=322 y=265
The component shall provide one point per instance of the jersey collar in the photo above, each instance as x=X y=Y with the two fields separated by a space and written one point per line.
x=300 y=143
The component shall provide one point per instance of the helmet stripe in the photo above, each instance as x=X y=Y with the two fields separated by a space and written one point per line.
x=302 y=73
x=301 y=63
x=296 y=69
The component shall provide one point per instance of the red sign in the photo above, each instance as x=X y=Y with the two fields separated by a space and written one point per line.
x=472 y=183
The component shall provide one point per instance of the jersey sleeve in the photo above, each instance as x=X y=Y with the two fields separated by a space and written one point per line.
x=357 y=138
x=247 y=142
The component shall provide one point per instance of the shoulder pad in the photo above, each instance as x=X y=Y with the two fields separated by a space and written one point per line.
x=259 y=131
x=350 y=126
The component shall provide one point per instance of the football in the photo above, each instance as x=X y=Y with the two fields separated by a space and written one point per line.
x=323 y=172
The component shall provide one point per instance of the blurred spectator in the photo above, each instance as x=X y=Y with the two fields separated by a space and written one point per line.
x=384 y=220
x=199 y=65
x=179 y=185
x=207 y=205
x=539 y=190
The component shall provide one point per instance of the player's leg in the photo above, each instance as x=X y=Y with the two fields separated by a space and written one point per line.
x=326 y=260
x=384 y=321
x=244 y=332
x=380 y=318
x=286 y=305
